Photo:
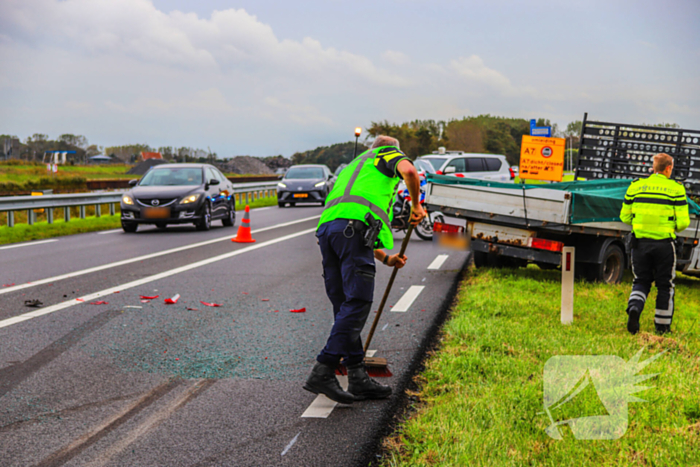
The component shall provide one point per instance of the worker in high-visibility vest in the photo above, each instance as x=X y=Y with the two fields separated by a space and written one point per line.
x=353 y=229
x=656 y=208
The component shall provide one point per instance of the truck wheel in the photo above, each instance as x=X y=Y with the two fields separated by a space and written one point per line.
x=612 y=268
x=480 y=258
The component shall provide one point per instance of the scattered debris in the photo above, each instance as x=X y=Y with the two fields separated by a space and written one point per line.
x=385 y=326
x=79 y=299
x=133 y=306
x=300 y=310
x=146 y=297
x=192 y=309
x=8 y=285
x=99 y=302
x=172 y=301
x=145 y=301
x=33 y=303
x=265 y=300
x=116 y=291
x=209 y=304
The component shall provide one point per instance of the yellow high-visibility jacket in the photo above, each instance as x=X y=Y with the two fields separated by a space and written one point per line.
x=655 y=207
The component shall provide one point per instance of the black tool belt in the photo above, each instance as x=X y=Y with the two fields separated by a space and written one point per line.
x=368 y=229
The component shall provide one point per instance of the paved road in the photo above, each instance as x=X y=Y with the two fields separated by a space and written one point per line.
x=131 y=383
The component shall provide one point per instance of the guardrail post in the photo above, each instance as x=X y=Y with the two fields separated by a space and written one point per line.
x=568 y=260
x=66 y=214
x=98 y=210
x=82 y=212
x=49 y=215
x=112 y=209
x=30 y=217
x=10 y=218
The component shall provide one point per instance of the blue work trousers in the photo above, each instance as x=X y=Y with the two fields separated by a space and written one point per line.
x=348 y=270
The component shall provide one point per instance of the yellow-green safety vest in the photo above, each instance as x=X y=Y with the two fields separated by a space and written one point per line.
x=361 y=188
x=655 y=207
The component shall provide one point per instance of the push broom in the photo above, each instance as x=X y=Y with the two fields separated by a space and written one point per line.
x=378 y=366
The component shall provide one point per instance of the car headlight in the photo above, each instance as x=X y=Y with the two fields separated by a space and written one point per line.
x=281 y=185
x=127 y=200
x=189 y=199
x=320 y=184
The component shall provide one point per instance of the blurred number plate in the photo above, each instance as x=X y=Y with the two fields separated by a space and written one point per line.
x=156 y=213
x=301 y=195
x=450 y=236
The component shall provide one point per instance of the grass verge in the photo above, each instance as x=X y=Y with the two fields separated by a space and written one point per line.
x=480 y=398
x=41 y=230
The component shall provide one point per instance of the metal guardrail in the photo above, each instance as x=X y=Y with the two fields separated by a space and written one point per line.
x=243 y=192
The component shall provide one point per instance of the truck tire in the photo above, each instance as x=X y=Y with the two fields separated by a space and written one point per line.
x=480 y=258
x=611 y=270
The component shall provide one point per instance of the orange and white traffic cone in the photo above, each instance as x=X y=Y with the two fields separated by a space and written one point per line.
x=243 y=235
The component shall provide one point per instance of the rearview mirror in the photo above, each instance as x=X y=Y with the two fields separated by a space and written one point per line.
x=133 y=182
x=450 y=170
x=214 y=181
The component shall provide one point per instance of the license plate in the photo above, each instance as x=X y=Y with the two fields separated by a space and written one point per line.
x=301 y=195
x=156 y=213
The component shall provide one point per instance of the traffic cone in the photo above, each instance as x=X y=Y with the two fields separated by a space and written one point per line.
x=243 y=235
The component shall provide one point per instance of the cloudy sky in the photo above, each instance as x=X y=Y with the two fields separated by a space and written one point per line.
x=266 y=77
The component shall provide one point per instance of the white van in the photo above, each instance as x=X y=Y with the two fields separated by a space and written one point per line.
x=471 y=165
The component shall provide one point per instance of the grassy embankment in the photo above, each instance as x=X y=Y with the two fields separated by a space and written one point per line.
x=41 y=229
x=480 y=398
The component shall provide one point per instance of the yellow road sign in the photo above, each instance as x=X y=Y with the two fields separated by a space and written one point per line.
x=542 y=158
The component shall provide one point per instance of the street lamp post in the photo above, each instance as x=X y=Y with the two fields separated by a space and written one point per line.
x=358 y=132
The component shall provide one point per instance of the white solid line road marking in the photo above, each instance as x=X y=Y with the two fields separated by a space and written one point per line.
x=370 y=353
x=322 y=406
x=104 y=232
x=291 y=443
x=26 y=244
x=51 y=280
x=407 y=300
x=438 y=262
x=145 y=280
x=262 y=209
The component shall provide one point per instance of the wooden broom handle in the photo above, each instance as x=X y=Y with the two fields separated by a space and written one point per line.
x=404 y=245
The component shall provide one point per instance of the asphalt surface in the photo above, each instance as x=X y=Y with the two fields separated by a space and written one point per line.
x=132 y=383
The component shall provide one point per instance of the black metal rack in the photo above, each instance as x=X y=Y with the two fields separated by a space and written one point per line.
x=617 y=150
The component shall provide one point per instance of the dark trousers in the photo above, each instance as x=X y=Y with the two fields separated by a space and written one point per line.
x=654 y=261
x=348 y=270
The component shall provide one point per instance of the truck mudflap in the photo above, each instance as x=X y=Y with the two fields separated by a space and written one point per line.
x=523 y=253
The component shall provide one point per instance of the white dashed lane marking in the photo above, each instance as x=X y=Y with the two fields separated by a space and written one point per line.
x=408 y=298
x=438 y=262
x=105 y=232
x=322 y=406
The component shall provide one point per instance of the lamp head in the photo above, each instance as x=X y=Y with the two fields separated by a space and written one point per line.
x=358 y=131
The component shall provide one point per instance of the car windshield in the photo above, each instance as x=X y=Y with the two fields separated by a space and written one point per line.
x=173 y=176
x=423 y=165
x=436 y=162
x=298 y=173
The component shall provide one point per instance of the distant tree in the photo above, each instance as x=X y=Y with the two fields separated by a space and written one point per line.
x=416 y=138
x=332 y=156
x=573 y=129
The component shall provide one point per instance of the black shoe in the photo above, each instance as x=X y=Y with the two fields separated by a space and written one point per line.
x=322 y=380
x=662 y=329
x=633 y=319
x=363 y=387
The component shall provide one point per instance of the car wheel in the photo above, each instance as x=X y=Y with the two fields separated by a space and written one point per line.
x=291 y=205
x=129 y=227
x=161 y=225
x=281 y=205
x=205 y=222
x=230 y=219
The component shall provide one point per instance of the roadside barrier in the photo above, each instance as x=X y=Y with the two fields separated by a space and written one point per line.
x=244 y=193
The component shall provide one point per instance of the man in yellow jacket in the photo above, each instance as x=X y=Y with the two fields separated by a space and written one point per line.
x=656 y=208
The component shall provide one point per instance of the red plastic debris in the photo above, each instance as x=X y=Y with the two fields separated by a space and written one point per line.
x=300 y=310
x=192 y=309
x=173 y=300
x=276 y=311
x=245 y=293
x=145 y=297
x=99 y=302
x=265 y=300
x=145 y=301
x=177 y=359
x=209 y=304
x=116 y=291
x=79 y=299
x=8 y=285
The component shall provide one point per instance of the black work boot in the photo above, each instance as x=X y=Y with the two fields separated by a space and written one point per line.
x=322 y=380
x=662 y=329
x=363 y=387
x=633 y=319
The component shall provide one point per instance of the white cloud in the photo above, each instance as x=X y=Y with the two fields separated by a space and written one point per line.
x=473 y=69
x=396 y=58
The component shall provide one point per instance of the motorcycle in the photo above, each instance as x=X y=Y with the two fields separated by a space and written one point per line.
x=402 y=213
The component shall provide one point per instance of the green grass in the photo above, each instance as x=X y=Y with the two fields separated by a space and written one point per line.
x=481 y=394
x=23 y=232
x=23 y=173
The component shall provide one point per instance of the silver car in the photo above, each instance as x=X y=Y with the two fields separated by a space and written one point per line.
x=471 y=165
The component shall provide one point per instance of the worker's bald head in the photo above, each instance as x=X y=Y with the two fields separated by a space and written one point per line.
x=383 y=140
x=662 y=162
